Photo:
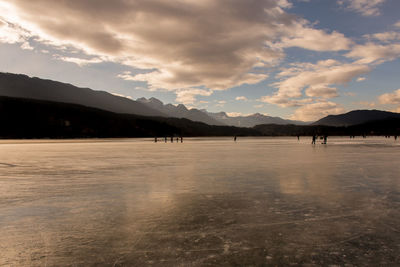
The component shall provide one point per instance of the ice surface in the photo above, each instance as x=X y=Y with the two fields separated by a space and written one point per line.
x=207 y=201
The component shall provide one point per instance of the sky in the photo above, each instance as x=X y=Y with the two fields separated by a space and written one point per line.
x=296 y=59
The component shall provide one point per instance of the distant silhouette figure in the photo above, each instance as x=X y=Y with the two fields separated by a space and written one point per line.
x=177 y=139
x=165 y=138
x=172 y=139
x=234 y=138
x=155 y=139
x=325 y=139
x=181 y=139
x=395 y=137
x=298 y=138
x=314 y=137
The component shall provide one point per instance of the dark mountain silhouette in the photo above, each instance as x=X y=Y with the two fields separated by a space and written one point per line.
x=388 y=126
x=179 y=111
x=30 y=118
x=292 y=130
x=18 y=85
x=23 y=86
x=251 y=120
x=356 y=117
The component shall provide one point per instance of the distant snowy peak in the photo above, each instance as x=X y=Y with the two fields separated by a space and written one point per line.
x=181 y=107
x=251 y=120
x=219 y=115
x=217 y=118
x=179 y=111
x=257 y=115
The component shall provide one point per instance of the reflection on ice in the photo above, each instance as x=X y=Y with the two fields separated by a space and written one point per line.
x=258 y=201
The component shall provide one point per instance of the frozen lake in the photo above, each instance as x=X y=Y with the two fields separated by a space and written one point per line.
x=259 y=201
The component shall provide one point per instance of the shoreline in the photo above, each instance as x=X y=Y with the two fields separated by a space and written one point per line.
x=161 y=139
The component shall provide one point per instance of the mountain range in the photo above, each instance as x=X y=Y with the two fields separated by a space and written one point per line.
x=251 y=120
x=219 y=118
x=179 y=111
x=30 y=118
x=22 y=118
x=22 y=86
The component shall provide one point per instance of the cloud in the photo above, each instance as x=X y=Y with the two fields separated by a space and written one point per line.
x=220 y=103
x=397 y=24
x=284 y=101
x=11 y=34
x=188 y=96
x=187 y=43
x=316 y=79
x=179 y=45
x=315 y=111
x=364 y=7
x=126 y=96
x=193 y=48
x=26 y=46
x=372 y=53
x=241 y=98
x=79 y=61
x=126 y=75
x=308 y=86
x=379 y=48
x=390 y=98
x=321 y=90
x=299 y=35
x=349 y=94
x=385 y=37
x=366 y=104
x=360 y=79
x=234 y=114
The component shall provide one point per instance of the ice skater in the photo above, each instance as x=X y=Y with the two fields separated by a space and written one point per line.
x=314 y=137
x=325 y=140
